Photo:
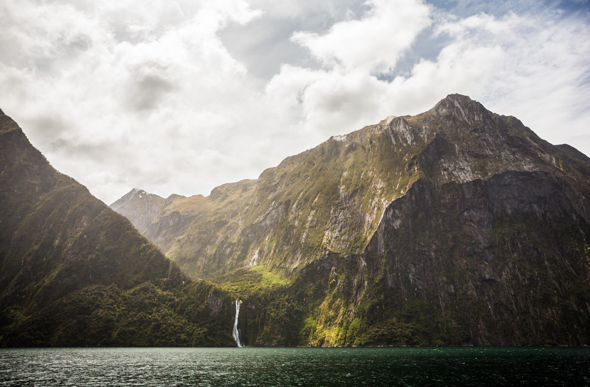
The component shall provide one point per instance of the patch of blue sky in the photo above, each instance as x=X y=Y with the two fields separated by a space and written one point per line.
x=428 y=45
x=466 y=8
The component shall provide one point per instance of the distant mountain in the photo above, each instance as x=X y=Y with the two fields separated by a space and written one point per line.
x=74 y=272
x=455 y=226
x=141 y=207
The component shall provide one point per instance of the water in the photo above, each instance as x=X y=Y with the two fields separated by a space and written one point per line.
x=295 y=367
x=236 y=332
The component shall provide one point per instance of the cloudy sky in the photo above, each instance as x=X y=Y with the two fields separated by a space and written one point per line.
x=181 y=96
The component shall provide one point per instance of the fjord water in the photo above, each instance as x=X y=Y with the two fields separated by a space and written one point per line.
x=295 y=367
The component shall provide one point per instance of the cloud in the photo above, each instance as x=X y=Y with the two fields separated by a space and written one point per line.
x=330 y=10
x=116 y=106
x=147 y=90
x=345 y=94
x=375 y=41
x=264 y=44
x=532 y=66
x=163 y=96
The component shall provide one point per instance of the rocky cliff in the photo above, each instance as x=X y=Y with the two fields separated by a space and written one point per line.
x=454 y=226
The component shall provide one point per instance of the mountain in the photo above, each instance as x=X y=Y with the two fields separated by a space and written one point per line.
x=141 y=207
x=457 y=226
x=74 y=272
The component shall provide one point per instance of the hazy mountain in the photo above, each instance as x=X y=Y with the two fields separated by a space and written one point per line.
x=74 y=272
x=142 y=208
x=454 y=226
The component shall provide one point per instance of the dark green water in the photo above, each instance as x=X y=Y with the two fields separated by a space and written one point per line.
x=295 y=367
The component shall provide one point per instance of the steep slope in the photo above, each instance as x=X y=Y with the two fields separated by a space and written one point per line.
x=74 y=272
x=455 y=226
x=502 y=261
x=329 y=198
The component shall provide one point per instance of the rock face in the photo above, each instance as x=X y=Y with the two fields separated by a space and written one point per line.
x=502 y=261
x=454 y=226
x=73 y=272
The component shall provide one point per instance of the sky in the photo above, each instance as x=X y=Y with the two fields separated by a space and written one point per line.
x=182 y=96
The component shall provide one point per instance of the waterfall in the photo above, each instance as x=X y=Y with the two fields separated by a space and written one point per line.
x=236 y=332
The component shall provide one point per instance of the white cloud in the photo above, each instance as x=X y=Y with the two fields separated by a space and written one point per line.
x=533 y=67
x=129 y=93
x=129 y=107
x=345 y=95
x=290 y=9
x=375 y=41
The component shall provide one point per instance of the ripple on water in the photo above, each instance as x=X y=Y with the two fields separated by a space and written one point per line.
x=295 y=366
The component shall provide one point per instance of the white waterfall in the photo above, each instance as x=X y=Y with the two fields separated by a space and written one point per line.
x=236 y=332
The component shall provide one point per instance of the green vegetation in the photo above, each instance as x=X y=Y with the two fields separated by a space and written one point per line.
x=146 y=315
x=75 y=273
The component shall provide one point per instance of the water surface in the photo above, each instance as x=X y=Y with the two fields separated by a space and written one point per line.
x=295 y=367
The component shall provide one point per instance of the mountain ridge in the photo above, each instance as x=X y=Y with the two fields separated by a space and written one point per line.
x=73 y=272
x=456 y=226
x=412 y=136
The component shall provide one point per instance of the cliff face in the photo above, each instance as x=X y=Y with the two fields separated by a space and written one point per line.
x=455 y=226
x=74 y=272
x=503 y=261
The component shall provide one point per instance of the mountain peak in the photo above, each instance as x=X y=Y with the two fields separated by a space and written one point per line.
x=138 y=192
x=456 y=100
x=140 y=207
x=344 y=184
x=459 y=97
x=462 y=107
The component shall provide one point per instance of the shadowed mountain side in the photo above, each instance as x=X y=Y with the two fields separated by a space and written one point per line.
x=74 y=272
x=496 y=262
